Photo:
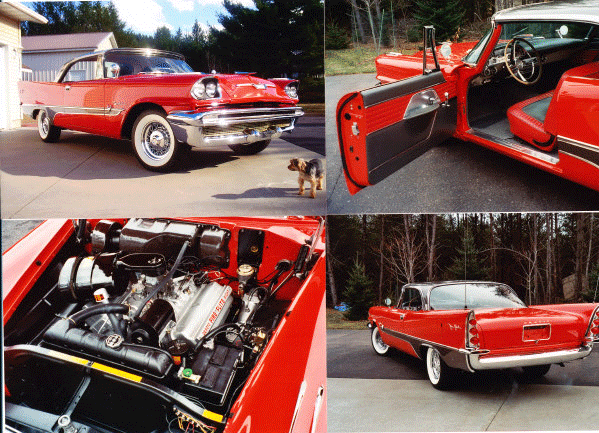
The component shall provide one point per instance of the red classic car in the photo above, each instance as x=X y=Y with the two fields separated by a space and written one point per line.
x=474 y=325
x=166 y=325
x=529 y=89
x=155 y=99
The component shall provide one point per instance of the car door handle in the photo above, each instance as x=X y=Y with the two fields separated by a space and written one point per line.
x=446 y=102
x=422 y=103
x=67 y=88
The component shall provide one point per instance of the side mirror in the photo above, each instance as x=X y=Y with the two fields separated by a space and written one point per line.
x=388 y=302
x=445 y=50
x=115 y=70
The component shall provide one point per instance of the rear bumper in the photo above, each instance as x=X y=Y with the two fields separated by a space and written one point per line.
x=233 y=126
x=480 y=362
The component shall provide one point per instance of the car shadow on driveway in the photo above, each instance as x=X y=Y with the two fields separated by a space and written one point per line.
x=79 y=156
x=264 y=192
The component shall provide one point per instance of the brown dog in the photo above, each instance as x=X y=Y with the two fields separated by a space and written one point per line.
x=311 y=171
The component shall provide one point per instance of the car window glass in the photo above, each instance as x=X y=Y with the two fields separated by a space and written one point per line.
x=411 y=299
x=83 y=70
x=475 y=53
x=474 y=295
x=108 y=69
x=131 y=64
x=545 y=30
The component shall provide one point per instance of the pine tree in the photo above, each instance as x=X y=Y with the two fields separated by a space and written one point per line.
x=358 y=293
x=468 y=265
x=445 y=15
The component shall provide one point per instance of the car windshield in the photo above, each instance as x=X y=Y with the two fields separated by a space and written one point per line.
x=546 y=34
x=473 y=295
x=131 y=64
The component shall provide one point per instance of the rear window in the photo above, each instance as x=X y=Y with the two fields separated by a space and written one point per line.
x=473 y=295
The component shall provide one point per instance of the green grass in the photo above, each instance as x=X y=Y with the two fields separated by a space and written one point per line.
x=336 y=320
x=357 y=60
x=350 y=61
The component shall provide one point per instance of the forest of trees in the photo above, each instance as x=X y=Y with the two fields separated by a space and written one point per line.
x=371 y=256
x=274 y=38
x=385 y=22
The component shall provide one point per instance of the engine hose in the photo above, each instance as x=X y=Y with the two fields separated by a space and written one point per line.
x=164 y=281
x=116 y=324
x=214 y=332
x=109 y=309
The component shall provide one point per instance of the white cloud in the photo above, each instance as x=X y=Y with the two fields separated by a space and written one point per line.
x=142 y=16
x=248 y=3
x=182 y=5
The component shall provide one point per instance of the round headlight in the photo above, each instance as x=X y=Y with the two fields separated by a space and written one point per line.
x=291 y=91
x=198 y=90
x=211 y=89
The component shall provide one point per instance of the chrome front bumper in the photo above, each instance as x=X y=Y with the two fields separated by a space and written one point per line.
x=476 y=362
x=233 y=126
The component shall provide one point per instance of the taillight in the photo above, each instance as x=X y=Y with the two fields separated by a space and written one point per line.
x=593 y=332
x=472 y=337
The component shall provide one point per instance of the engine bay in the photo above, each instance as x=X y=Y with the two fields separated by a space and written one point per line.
x=160 y=305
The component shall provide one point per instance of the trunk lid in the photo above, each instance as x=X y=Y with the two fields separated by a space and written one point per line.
x=528 y=328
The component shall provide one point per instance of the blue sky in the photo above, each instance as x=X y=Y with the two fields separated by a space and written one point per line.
x=145 y=16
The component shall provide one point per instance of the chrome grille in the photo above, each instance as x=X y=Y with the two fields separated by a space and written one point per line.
x=234 y=129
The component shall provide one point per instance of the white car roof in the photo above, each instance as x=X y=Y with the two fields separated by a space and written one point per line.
x=586 y=11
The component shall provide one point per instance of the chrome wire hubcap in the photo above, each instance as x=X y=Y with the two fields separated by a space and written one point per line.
x=45 y=124
x=156 y=140
x=436 y=364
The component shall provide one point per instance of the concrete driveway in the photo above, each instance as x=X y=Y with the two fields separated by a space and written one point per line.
x=90 y=176
x=370 y=393
x=453 y=177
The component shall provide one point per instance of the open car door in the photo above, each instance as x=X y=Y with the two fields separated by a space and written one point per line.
x=383 y=128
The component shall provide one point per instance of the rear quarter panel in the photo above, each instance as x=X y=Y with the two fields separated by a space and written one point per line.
x=42 y=93
x=576 y=97
x=442 y=327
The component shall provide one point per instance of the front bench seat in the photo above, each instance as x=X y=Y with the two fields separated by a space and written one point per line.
x=527 y=119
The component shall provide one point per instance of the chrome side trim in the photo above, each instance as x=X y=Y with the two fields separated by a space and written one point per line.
x=298 y=404
x=317 y=408
x=580 y=150
x=61 y=109
x=578 y=157
x=499 y=362
x=577 y=143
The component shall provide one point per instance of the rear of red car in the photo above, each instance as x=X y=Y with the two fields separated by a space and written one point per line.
x=521 y=337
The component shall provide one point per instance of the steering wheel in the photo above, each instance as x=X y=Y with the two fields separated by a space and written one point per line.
x=525 y=67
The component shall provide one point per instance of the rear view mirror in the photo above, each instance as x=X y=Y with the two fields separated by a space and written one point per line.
x=388 y=302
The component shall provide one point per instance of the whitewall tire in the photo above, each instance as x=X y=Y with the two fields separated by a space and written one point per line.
x=377 y=342
x=48 y=132
x=154 y=142
x=440 y=375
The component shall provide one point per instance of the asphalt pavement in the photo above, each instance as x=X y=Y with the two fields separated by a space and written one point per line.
x=89 y=176
x=453 y=177
x=14 y=230
x=368 y=393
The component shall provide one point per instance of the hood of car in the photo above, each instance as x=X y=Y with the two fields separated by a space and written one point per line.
x=239 y=87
